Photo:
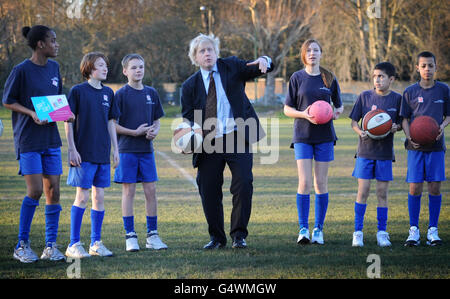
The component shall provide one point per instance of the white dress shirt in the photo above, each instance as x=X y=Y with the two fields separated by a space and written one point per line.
x=225 y=119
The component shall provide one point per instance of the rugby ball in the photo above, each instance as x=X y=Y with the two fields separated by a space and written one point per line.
x=188 y=138
x=377 y=123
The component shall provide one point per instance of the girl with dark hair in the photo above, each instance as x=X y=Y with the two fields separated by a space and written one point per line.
x=312 y=140
x=37 y=142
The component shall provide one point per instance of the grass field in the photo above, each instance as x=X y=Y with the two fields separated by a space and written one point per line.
x=273 y=228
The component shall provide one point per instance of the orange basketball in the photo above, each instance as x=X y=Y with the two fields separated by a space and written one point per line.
x=377 y=123
x=424 y=130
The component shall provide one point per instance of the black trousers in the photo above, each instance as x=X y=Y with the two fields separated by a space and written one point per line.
x=210 y=181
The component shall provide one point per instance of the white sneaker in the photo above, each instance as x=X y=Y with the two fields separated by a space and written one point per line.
x=99 y=249
x=154 y=242
x=77 y=251
x=358 y=239
x=383 y=239
x=414 y=237
x=24 y=253
x=303 y=236
x=432 y=237
x=317 y=236
x=52 y=253
x=131 y=242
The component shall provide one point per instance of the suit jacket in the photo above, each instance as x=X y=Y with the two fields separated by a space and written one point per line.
x=234 y=73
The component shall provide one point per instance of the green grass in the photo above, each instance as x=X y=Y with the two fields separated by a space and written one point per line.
x=273 y=228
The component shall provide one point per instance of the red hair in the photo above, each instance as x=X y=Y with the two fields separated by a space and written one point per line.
x=327 y=76
x=88 y=61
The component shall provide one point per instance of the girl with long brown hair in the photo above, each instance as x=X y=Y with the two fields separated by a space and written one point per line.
x=312 y=141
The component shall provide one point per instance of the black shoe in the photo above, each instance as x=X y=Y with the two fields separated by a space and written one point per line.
x=213 y=244
x=239 y=243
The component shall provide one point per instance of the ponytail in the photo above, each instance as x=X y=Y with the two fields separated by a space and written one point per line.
x=327 y=76
x=35 y=34
x=25 y=31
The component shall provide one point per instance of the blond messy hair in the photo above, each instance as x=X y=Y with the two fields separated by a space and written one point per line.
x=195 y=43
x=127 y=58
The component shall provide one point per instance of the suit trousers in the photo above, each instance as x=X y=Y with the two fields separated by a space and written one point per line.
x=210 y=181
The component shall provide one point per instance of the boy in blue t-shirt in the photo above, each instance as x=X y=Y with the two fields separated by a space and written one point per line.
x=374 y=156
x=425 y=163
x=137 y=126
x=89 y=146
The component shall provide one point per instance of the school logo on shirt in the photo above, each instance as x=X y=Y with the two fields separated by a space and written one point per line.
x=149 y=100
x=324 y=88
x=392 y=109
x=374 y=107
x=420 y=99
x=55 y=81
x=439 y=102
x=105 y=100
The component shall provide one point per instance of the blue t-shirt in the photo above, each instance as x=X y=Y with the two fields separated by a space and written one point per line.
x=380 y=149
x=434 y=102
x=304 y=90
x=136 y=108
x=93 y=108
x=28 y=80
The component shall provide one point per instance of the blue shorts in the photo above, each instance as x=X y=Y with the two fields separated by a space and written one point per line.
x=368 y=169
x=47 y=162
x=136 y=168
x=425 y=166
x=322 y=152
x=90 y=174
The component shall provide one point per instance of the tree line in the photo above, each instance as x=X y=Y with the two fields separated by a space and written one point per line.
x=354 y=34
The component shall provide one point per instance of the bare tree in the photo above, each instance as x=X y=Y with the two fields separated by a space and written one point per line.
x=273 y=26
x=355 y=39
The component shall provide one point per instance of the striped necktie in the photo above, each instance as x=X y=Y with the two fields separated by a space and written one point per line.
x=211 y=103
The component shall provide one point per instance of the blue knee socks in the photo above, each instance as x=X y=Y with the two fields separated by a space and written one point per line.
x=96 y=225
x=321 y=205
x=52 y=213
x=414 y=209
x=434 y=207
x=27 y=210
x=128 y=224
x=303 y=210
x=152 y=223
x=360 y=210
x=382 y=216
x=76 y=217
x=26 y=217
x=75 y=225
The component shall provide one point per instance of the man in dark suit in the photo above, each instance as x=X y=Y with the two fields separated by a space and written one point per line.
x=214 y=97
